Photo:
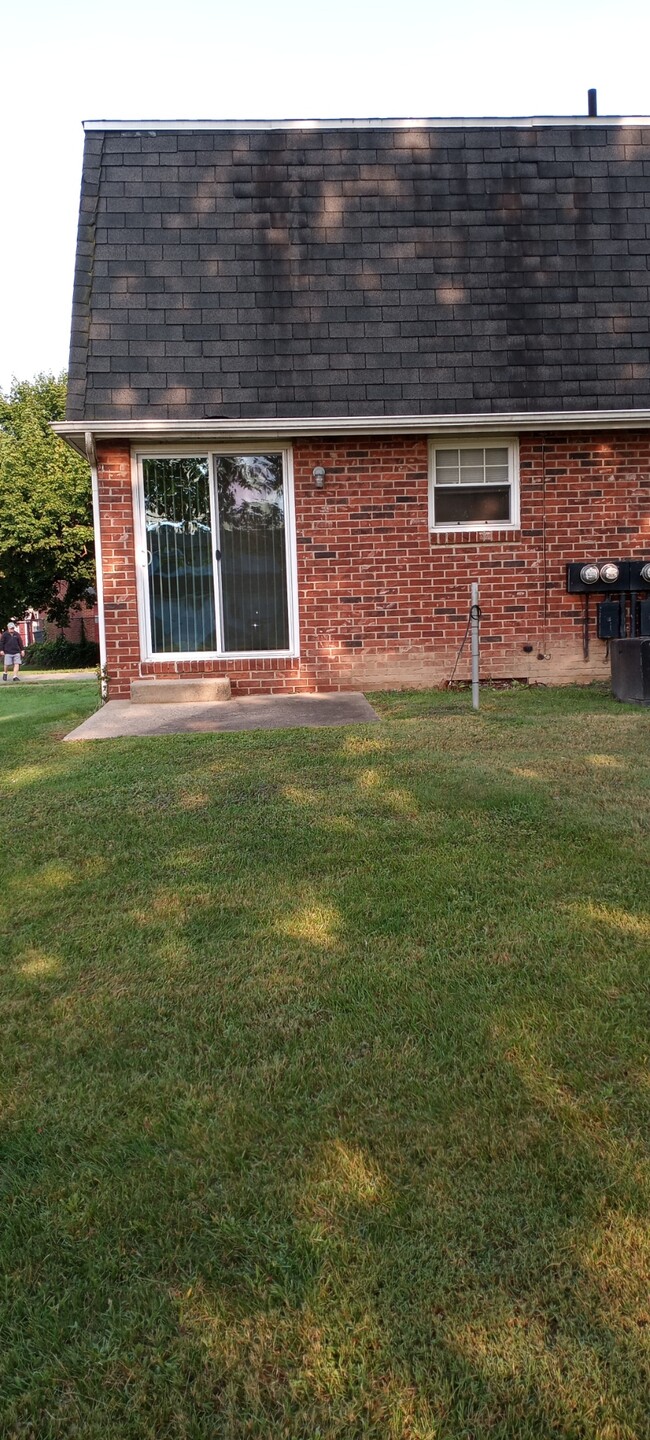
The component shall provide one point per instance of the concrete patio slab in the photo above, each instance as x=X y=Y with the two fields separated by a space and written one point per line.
x=121 y=718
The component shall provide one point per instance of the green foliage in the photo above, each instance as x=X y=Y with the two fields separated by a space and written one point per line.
x=62 y=654
x=46 y=534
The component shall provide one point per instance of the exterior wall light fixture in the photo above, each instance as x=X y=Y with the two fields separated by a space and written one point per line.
x=318 y=473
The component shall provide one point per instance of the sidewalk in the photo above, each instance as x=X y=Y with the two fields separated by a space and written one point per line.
x=37 y=677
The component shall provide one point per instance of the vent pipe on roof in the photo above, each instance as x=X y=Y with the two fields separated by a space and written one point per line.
x=592 y=102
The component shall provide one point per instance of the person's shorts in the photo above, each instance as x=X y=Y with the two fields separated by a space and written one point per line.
x=11 y=660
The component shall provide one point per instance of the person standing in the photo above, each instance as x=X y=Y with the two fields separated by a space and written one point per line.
x=12 y=647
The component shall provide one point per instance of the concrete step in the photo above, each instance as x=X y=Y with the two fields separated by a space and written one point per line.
x=180 y=692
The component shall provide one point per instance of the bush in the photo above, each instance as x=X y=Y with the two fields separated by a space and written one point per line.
x=62 y=654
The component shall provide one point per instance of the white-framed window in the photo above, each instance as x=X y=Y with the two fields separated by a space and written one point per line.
x=474 y=483
x=216 y=555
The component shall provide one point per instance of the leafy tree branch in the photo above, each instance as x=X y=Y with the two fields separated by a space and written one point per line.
x=46 y=531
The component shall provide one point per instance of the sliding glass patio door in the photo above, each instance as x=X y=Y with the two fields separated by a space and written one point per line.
x=253 y=552
x=179 y=541
x=218 y=561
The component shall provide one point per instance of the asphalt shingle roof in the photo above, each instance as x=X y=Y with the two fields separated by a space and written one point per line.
x=361 y=272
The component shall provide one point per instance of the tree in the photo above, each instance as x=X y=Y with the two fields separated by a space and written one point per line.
x=46 y=532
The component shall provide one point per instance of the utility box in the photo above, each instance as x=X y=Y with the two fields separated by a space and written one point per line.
x=610 y=620
x=630 y=661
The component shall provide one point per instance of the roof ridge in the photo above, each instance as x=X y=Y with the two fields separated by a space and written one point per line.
x=513 y=122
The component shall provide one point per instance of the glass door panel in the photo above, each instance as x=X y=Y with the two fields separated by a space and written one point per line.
x=252 y=541
x=180 y=570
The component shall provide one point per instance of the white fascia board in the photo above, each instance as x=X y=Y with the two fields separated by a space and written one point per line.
x=473 y=122
x=163 y=431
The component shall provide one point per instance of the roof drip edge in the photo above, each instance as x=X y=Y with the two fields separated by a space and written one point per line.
x=516 y=122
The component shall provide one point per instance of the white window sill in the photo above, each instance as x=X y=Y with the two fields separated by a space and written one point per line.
x=202 y=655
x=474 y=529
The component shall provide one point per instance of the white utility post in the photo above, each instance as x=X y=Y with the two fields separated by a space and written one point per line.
x=474 y=617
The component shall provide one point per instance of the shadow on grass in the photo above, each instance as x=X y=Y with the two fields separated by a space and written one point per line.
x=324 y=1104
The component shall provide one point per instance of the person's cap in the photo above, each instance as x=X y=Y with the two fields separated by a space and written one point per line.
x=11 y=625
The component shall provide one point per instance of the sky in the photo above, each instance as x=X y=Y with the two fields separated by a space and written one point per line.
x=207 y=59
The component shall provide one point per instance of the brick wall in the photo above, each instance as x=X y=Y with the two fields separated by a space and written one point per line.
x=36 y=620
x=85 y=615
x=382 y=601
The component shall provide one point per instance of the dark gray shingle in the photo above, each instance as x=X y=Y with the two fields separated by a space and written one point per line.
x=359 y=271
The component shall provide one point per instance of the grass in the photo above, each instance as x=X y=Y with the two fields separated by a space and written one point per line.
x=324 y=1076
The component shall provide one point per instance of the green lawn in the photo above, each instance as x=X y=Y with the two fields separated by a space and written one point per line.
x=324 y=1075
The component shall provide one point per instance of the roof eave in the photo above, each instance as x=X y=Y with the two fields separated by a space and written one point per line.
x=143 y=431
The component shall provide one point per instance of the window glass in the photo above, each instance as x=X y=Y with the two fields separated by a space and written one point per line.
x=462 y=504
x=252 y=541
x=472 y=457
x=179 y=555
x=497 y=456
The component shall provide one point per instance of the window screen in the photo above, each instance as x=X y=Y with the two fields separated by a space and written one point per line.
x=179 y=555
x=252 y=541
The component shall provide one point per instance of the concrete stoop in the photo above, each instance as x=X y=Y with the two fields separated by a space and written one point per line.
x=180 y=692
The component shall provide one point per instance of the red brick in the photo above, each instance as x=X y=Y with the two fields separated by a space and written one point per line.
x=387 y=605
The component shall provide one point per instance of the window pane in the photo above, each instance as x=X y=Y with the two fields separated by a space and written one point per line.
x=252 y=540
x=495 y=473
x=447 y=457
x=461 y=505
x=473 y=456
x=446 y=475
x=496 y=455
x=472 y=474
x=179 y=554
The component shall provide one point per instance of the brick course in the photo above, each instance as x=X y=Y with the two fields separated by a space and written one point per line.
x=383 y=602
